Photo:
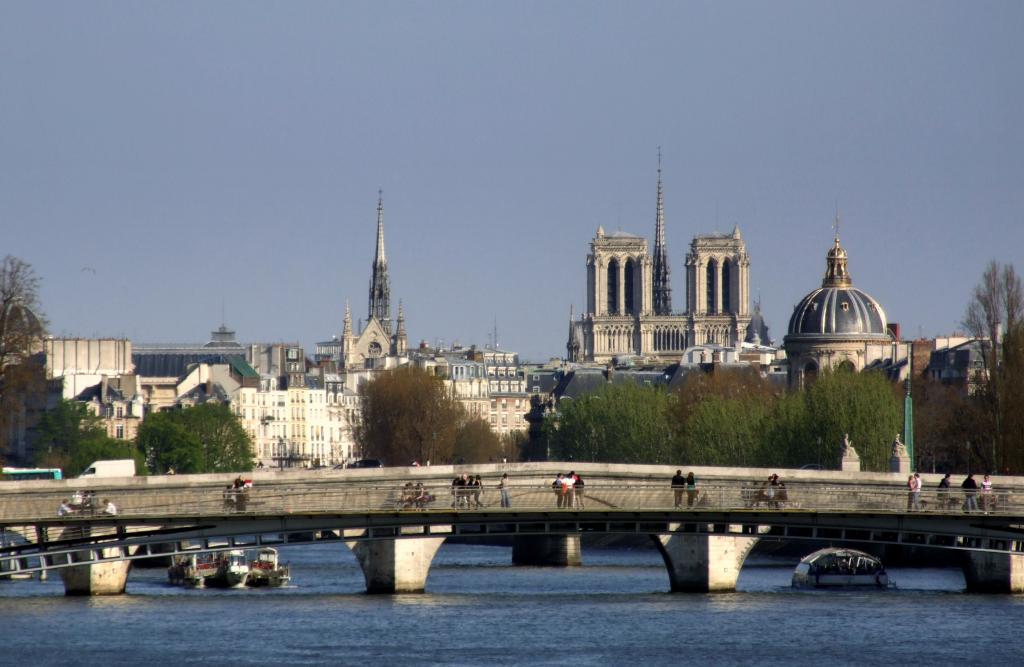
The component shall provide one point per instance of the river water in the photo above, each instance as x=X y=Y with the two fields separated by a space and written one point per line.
x=480 y=610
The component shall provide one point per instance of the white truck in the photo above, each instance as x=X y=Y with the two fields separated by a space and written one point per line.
x=112 y=468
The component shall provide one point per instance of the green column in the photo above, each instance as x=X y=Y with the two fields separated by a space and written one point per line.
x=908 y=411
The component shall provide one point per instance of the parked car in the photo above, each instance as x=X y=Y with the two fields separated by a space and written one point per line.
x=366 y=463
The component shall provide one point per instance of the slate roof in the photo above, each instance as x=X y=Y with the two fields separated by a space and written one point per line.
x=171 y=364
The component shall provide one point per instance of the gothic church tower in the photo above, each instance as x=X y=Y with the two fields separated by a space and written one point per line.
x=380 y=289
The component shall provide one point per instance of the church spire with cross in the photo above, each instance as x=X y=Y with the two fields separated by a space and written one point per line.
x=662 y=289
x=380 y=289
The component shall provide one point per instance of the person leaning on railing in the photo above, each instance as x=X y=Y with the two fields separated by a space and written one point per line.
x=970 y=487
x=691 y=489
x=943 y=492
x=678 y=486
x=987 y=499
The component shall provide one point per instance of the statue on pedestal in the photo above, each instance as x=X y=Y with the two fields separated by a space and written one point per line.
x=848 y=459
x=900 y=460
x=899 y=450
x=848 y=452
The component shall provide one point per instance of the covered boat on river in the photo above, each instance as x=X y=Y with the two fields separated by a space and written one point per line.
x=839 y=568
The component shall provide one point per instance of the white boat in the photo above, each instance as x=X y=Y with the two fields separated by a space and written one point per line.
x=219 y=570
x=266 y=570
x=839 y=568
x=192 y=569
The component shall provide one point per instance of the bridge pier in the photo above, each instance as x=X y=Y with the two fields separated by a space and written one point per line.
x=554 y=550
x=703 y=563
x=988 y=572
x=396 y=565
x=96 y=577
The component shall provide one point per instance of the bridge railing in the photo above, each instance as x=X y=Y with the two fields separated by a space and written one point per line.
x=348 y=497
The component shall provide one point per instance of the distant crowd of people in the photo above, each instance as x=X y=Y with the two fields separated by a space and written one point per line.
x=84 y=502
x=569 y=490
x=976 y=498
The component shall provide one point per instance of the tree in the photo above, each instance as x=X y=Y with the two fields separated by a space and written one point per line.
x=407 y=415
x=475 y=442
x=862 y=405
x=726 y=432
x=945 y=421
x=514 y=445
x=721 y=417
x=205 y=438
x=621 y=423
x=1011 y=401
x=71 y=437
x=995 y=313
x=21 y=333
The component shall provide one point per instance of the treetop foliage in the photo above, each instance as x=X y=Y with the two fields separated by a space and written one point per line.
x=407 y=415
x=205 y=438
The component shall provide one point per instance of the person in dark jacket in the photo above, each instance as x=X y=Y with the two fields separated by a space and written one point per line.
x=970 y=487
x=678 y=486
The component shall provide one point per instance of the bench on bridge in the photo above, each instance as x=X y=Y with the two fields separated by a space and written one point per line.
x=766 y=495
x=414 y=497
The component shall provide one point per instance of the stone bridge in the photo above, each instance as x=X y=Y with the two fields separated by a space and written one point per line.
x=395 y=538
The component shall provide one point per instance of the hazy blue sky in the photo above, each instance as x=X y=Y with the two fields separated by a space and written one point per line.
x=200 y=154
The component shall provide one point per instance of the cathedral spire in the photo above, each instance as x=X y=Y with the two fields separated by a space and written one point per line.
x=380 y=258
x=662 y=289
x=346 y=330
x=380 y=289
x=572 y=346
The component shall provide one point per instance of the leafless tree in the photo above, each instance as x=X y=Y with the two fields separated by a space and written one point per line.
x=995 y=312
x=21 y=333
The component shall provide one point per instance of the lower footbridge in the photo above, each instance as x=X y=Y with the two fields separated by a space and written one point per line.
x=395 y=527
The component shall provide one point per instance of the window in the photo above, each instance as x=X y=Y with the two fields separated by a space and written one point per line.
x=120 y=432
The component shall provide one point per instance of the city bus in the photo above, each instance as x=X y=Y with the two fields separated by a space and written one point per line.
x=24 y=474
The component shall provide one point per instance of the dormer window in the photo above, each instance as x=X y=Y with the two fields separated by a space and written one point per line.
x=845 y=305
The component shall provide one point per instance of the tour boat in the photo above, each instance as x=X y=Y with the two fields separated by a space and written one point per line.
x=837 y=568
x=219 y=570
x=265 y=570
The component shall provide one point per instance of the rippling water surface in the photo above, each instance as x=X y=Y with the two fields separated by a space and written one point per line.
x=481 y=610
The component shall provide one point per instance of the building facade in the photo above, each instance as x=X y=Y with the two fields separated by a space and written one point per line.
x=629 y=306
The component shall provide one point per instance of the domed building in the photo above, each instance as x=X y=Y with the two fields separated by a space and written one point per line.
x=836 y=325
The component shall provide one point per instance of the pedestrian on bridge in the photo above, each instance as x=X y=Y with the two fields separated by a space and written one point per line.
x=914 y=494
x=678 y=486
x=559 y=488
x=577 y=488
x=970 y=487
x=943 y=492
x=691 y=489
x=987 y=500
x=506 y=500
x=569 y=489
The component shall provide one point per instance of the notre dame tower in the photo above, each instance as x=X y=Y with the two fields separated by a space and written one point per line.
x=629 y=306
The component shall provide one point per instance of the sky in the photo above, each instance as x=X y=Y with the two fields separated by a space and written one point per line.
x=169 y=167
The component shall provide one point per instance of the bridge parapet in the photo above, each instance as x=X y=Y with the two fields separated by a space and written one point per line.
x=387 y=497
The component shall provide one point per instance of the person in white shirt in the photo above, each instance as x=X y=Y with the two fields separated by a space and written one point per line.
x=109 y=507
x=569 y=489
x=64 y=508
x=915 y=492
x=986 y=495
